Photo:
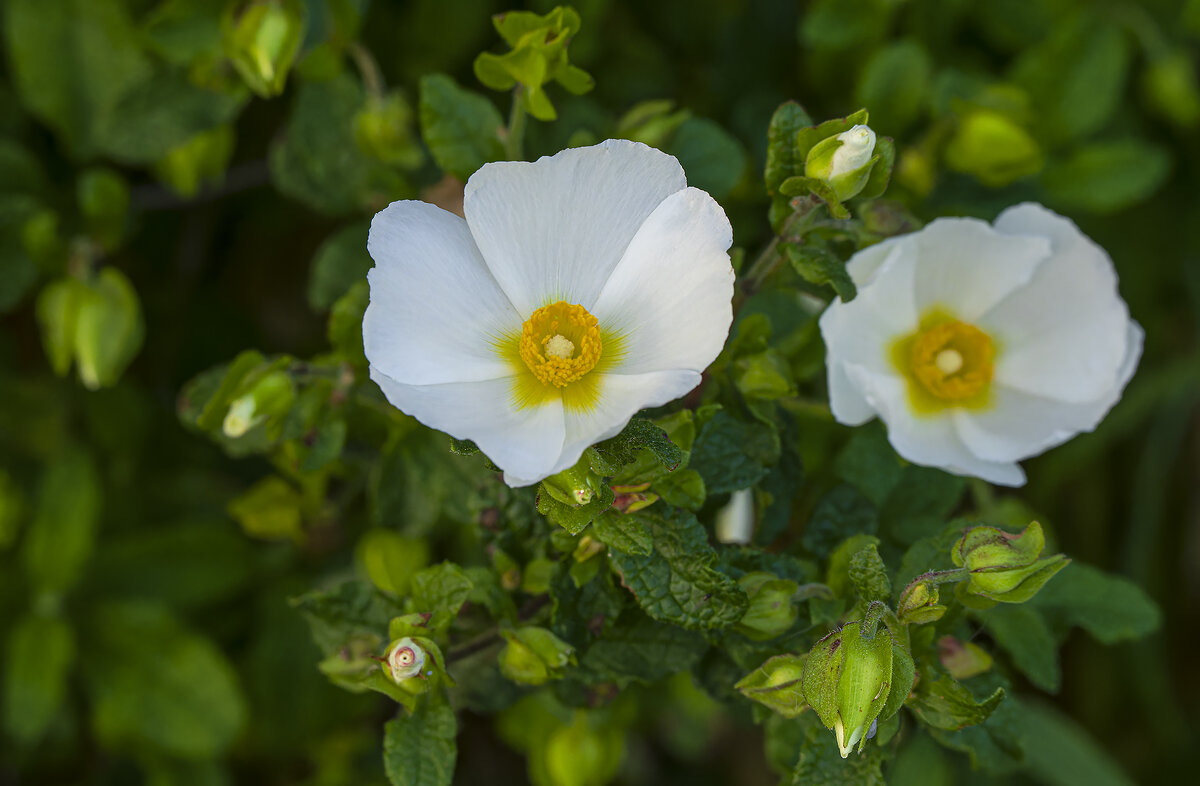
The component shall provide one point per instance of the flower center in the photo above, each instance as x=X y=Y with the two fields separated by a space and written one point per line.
x=560 y=343
x=952 y=360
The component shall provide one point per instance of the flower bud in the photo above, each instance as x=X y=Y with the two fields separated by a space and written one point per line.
x=262 y=38
x=384 y=130
x=770 y=612
x=919 y=604
x=533 y=656
x=993 y=148
x=843 y=161
x=574 y=486
x=1005 y=567
x=963 y=659
x=405 y=660
x=271 y=395
x=776 y=684
x=848 y=681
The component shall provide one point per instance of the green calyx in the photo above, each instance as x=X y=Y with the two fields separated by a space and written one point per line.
x=534 y=656
x=770 y=612
x=262 y=39
x=1004 y=567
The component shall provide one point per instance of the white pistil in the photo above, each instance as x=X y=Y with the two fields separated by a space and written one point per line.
x=560 y=347
x=948 y=361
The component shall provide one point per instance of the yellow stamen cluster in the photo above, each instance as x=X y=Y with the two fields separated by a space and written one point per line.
x=560 y=343
x=952 y=360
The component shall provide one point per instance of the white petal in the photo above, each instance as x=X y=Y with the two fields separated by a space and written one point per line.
x=554 y=229
x=1064 y=336
x=862 y=331
x=846 y=402
x=434 y=305
x=670 y=295
x=929 y=440
x=525 y=443
x=967 y=267
x=864 y=264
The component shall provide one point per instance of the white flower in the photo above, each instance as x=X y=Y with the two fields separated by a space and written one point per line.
x=405 y=659
x=579 y=289
x=981 y=345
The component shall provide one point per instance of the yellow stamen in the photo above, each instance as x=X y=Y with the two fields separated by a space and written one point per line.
x=560 y=343
x=952 y=360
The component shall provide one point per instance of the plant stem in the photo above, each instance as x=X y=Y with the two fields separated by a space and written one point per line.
x=514 y=137
x=371 y=76
x=793 y=229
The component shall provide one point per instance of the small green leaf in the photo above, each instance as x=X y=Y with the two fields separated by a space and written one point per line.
x=108 y=329
x=945 y=704
x=624 y=533
x=819 y=265
x=1108 y=176
x=420 y=749
x=461 y=128
x=1061 y=753
x=782 y=161
x=869 y=575
x=636 y=647
x=441 y=590
x=732 y=454
x=351 y=609
x=920 y=503
x=340 y=261
x=1111 y=608
x=57 y=313
x=270 y=509
x=713 y=159
x=841 y=513
x=1023 y=634
x=40 y=653
x=63 y=531
x=895 y=85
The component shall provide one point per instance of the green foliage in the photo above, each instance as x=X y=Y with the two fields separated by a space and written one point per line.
x=461 y=128
x=40 y=653
x=420 y=749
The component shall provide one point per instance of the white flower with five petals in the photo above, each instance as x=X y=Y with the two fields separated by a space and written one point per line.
x=980 y=345
x=579 y=289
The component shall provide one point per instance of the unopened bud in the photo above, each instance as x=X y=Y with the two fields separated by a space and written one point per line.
x=575 y=486
x=271 y=395
x=963 y=659
x=776 y=684
x=770 y=612
x=919 y=604
x=1005 y=567
x=261 y=38
x=533 y=656
x=843 y=161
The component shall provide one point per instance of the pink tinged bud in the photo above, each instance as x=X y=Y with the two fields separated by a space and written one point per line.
x=405 y=660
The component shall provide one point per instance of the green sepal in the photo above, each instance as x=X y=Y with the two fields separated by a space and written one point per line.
x=776 y=684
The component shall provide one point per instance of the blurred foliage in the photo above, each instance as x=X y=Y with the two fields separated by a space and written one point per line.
x=193 y=464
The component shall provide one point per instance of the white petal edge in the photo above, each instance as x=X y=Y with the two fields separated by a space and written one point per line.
x=670 y=297
x=846 y=402
x=525 y=443
x=434 y=305
x=1020 y=424
x=966 y=266
x=1064 y=335
x=556 y=228
x=929 y=440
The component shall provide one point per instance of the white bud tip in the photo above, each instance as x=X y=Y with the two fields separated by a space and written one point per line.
x=858 y=145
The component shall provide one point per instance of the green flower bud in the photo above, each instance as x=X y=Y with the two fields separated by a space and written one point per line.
x=919 y=604
x=1005 y=567
x=582 y=754
x=963 y=659
x=843 y=161
x=770 y=612
x=574 y=486
x=405 y=660
x=776 y=684
x=201 y=159
x=533 y=656
x=261 y=38
x=1171 y=88
x=384 y=130
x=271 y=395
x=993 y=148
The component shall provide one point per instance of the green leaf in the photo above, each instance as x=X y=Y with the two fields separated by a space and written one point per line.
x=732 y=454
x=869 y=575
x=895 y=85
x=782 y=161
x=1111 y=608
x=340 y=262
x=678 y=583
x=1076 y=76
x=945 y=704
x=460 y=127
x=713 y=159
x=351 y=609
x=57 y=314
x=607 y=458
x=1023 y=634
x=843 y=512
x=160 y=114
x=420 y=749
x=623 y=533
x=72 y=62
x=1059 y=752
x=869 y=464
x=820 y=763
x=1108 y=176
x=108 y=329
x=40 y=653
x=320 y=163
x=345 y=322
x=636 y=647
x=574 y=518
x=921 y=762
x=920 y=503
x=776 y=685
x=270 y=509
x=818 y=265
x=63 y=531
x=441 y=590
x=154 y=682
